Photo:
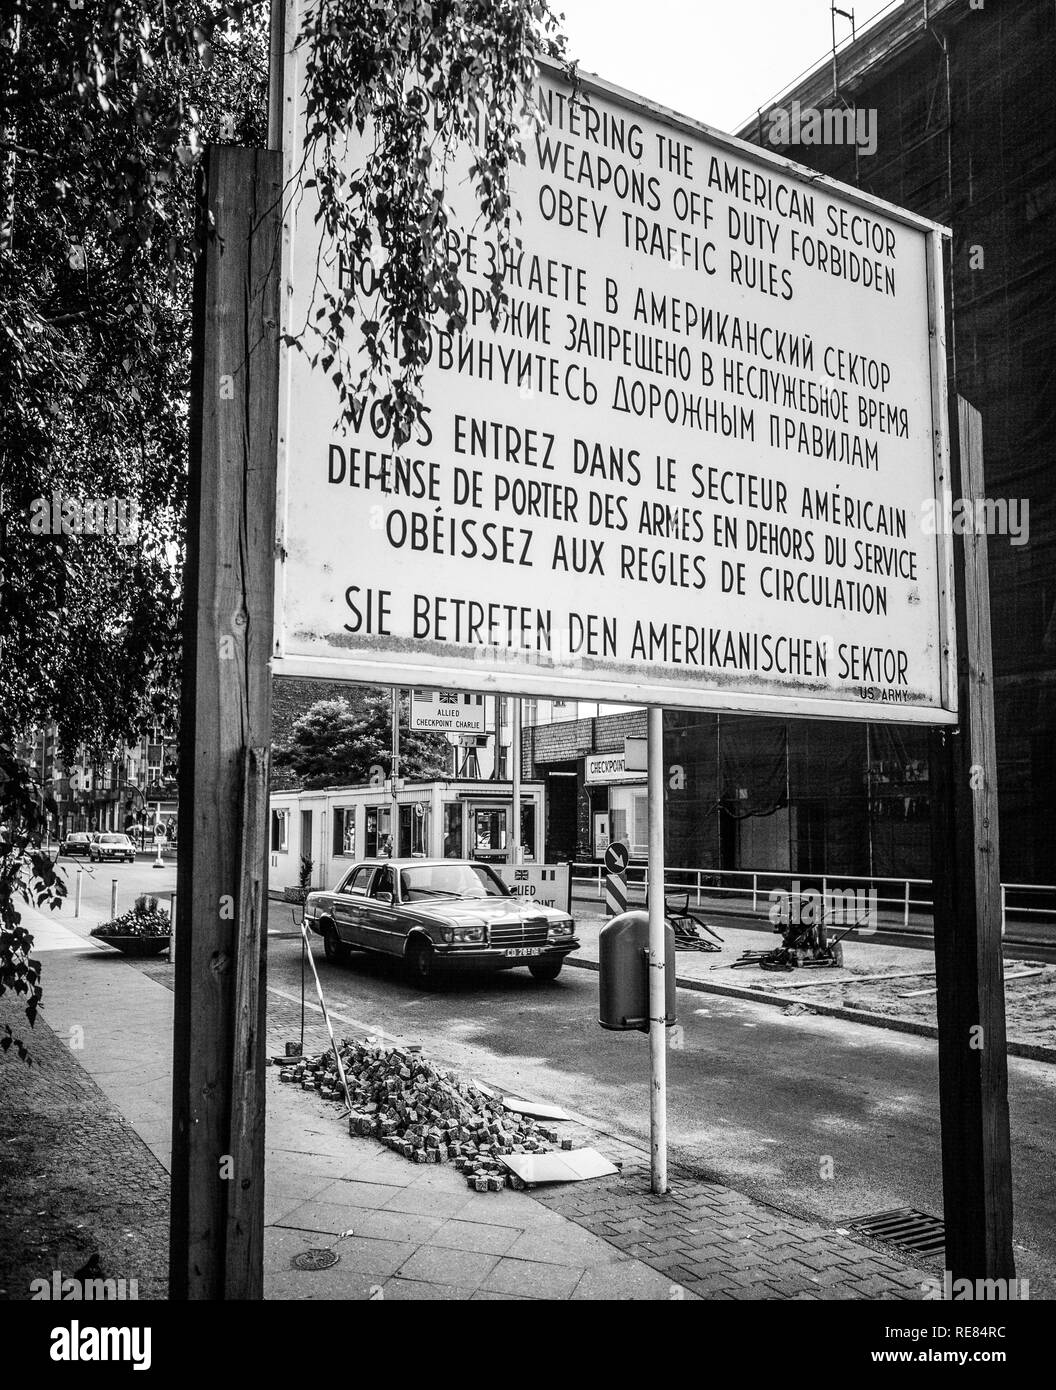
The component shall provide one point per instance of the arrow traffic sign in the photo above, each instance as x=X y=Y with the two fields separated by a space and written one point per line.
x=617 y=857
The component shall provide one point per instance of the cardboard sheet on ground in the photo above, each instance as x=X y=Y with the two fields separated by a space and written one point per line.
x=537 y=1109
x=566 y=1166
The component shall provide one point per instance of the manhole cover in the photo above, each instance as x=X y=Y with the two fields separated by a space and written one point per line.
x=315 y=1259
x=904 y=1228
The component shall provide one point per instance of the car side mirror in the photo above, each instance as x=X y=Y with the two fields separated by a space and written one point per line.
x=385 y=898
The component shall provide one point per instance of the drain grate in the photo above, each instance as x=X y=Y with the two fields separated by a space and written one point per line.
x=315 y=1259
x=906 y=1228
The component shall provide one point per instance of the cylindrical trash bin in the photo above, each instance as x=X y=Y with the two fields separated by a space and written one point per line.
x=623 y=973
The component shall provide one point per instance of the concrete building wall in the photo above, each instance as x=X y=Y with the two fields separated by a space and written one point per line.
x=962 y=96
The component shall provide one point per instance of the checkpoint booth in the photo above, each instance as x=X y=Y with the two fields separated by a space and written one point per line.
x=438 y=819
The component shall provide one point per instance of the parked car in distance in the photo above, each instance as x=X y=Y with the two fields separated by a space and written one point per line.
x=79 y=842
x=439 y=915
x=111 y=846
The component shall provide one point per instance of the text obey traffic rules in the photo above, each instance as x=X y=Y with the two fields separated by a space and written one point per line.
x=695 y=466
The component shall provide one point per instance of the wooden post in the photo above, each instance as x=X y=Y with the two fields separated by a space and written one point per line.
x=973 y=1067
x=217 y=1222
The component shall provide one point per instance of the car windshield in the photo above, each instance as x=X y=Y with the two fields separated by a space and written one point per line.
x=114 y=839
x=451 y=881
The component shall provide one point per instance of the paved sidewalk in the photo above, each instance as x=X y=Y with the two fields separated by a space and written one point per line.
x=717 y=1244
x=705 y=1239
x=404 y=1231
x=400 y=1230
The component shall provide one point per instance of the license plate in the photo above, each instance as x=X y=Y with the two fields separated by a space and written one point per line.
x=520 y=951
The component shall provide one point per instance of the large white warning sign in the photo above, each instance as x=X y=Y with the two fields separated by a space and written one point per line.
x=702 y=462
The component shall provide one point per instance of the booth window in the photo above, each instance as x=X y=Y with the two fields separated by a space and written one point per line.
x=629 y=819
x=344 y=830
x=279 y=831
x=377 y=834
x=528 y=830
x=414 y=830
x=489 y=832
x=453 y=847
x=640 y=843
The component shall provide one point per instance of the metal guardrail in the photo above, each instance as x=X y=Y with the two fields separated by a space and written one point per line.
x=761 y=881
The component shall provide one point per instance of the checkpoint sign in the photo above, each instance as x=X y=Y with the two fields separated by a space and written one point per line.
x=447 y=711
x=547 y=885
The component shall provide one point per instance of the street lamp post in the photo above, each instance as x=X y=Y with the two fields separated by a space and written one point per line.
x=136 y=791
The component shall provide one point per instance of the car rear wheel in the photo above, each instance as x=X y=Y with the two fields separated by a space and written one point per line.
x=545 y=970
x=334 y=948
x=421 y=963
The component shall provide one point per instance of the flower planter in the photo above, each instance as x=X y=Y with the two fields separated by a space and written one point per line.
x=137 y=945
x=296 y=895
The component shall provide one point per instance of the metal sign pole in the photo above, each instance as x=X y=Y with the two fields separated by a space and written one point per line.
x=657 y=964
x=515 y=854
x=394 y=829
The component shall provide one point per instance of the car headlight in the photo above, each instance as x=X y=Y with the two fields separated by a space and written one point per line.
x=559 y=929
x=463 y=934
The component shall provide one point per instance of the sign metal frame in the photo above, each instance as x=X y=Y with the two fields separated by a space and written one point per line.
x=393 y=661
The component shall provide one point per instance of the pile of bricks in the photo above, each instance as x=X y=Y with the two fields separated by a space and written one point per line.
x=424 y=1113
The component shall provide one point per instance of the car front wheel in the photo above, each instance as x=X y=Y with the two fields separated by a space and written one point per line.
x=421 y=962
x=545 y=970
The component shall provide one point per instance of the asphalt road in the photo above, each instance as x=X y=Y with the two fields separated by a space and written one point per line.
x=765 y=1102
x=132 y=879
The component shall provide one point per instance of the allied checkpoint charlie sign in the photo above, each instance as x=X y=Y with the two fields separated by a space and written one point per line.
x=699 y=464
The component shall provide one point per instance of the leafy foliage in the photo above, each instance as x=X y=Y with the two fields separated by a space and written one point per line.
x=340 y=743
x=107 y=105
x=419 y=80
x=28 y=873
